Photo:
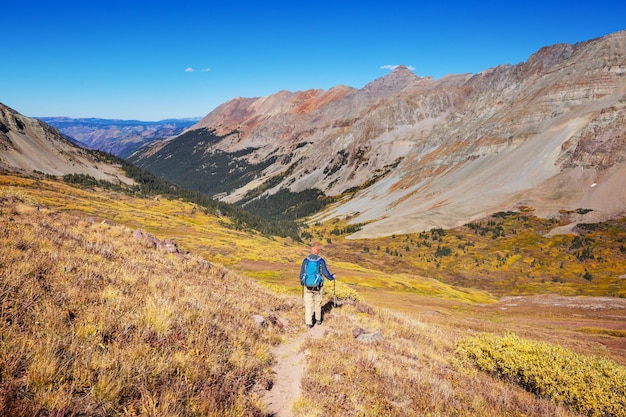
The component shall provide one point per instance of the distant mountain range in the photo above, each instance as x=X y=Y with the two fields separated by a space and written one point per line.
x=118 y=137
x=406 y=154
x=403 y=154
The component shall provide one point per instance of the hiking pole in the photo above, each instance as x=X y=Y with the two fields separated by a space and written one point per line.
x=334 y=292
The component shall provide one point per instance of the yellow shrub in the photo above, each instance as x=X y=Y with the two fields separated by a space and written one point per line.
x=341 y=290
x=587 y=384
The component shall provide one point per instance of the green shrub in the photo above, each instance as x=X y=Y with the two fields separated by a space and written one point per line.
x=589 y=385
x=443 y=251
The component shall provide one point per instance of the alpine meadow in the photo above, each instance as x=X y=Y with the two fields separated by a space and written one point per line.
x=476 y=225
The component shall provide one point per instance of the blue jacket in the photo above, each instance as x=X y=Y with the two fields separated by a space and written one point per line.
x=324 y=269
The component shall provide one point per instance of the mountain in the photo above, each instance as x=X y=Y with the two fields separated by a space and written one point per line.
x=29 y=144
x=406 y=153
x=119 y=137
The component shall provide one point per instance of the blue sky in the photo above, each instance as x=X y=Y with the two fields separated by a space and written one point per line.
x=151 y=60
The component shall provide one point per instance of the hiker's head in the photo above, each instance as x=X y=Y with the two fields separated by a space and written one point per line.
x=315 y=250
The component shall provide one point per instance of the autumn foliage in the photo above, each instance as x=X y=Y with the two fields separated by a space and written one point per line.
x=95 y=321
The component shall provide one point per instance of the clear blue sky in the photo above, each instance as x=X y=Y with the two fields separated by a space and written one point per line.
x=151 y=60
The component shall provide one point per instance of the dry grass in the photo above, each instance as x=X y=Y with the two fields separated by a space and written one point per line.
x=93 y=322
x=413 y=371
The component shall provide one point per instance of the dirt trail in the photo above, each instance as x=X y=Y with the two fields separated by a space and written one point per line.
x=288 y=369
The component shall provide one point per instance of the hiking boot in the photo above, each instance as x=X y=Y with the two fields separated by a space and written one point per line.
x=319 y=323
x=309 y=325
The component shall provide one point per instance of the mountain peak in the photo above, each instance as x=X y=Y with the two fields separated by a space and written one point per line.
x=422 y=153
x=393 y=82
x=402 y=69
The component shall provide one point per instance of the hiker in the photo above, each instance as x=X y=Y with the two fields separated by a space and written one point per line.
x=312 y=273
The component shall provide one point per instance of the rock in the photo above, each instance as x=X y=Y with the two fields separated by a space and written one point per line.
x=150 y=240
x=278 y=322
x=357 y=332
x=168 y=246
x=282 y=323
x=260 y=320
x=205 y=264
x=371 y=337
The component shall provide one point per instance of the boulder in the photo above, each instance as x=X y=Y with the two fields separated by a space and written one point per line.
x=168 y=246
x=371 y=337
x=260 y=320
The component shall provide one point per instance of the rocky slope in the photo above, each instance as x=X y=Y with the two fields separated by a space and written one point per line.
x=410 y=153
x=28 y=145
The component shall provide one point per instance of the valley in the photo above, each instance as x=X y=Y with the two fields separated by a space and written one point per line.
x=406 y=154
x=118 y=137
x=154 y=316
x=475 y=223
x=540 y=297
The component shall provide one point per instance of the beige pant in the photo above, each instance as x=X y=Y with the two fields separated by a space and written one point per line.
x=313 y=304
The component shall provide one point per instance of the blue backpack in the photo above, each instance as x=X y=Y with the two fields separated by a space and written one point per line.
x=312 y=275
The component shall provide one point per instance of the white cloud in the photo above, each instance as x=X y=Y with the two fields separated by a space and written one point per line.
x=393 y=67
x=191 y=69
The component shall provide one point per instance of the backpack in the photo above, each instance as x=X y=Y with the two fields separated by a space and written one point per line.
x=312 y=275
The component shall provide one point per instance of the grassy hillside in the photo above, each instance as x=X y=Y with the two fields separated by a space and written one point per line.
x=507 y=253
x=95 y=321
x=273 y=260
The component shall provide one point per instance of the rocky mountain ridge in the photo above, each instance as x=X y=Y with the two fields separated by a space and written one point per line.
x=407 y=153
x=28 y=145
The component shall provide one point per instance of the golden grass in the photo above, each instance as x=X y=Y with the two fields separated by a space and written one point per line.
x=413 y=371
x=93 y=322
x=204 y=235
x=504 y=255
x=608 y=332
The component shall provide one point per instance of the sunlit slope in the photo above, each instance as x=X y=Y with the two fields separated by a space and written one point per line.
x=97 y=322
x=505 y=254
x=512 y=253
x=275 y=261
